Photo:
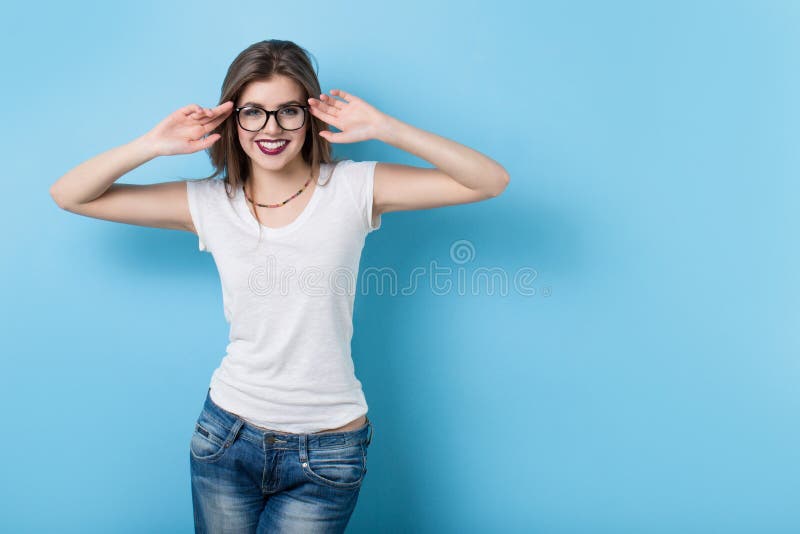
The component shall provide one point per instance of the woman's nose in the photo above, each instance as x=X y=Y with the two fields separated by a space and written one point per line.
x=272 y=124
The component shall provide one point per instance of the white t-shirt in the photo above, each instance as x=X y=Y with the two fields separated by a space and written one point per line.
x=289 y=300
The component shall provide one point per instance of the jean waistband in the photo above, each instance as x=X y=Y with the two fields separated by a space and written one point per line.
x=285 y=439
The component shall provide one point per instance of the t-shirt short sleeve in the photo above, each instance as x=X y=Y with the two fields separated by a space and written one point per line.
x=360 y=176
x=199 y=194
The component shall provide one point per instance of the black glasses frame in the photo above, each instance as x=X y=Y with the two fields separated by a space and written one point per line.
x=269 y=113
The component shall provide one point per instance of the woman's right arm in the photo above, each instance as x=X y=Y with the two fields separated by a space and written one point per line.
x=89 y=188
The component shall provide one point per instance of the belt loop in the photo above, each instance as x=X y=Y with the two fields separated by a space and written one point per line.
x=303 y=439
x=369 y=437
x=237 y=426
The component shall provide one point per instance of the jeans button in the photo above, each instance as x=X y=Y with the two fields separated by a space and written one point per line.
x=271 y=439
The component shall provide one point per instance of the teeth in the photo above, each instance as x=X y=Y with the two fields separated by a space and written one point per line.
x=272 y=146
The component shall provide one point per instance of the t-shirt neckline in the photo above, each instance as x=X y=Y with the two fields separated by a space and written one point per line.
x=296 y=223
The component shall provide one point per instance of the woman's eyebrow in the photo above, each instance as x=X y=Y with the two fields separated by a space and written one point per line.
x=263 y=106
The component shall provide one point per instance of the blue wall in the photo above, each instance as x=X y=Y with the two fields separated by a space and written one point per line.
x=650 y=383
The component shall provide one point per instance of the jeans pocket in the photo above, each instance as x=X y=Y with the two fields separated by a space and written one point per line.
x=337 y=467
x=209 y=440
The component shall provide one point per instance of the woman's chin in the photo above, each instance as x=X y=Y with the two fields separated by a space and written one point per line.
x=277 y=162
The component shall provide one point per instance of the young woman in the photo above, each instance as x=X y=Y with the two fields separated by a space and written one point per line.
x=281 y=442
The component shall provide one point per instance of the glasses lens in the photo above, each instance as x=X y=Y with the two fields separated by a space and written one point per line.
x=291 y=117
x=251 y=118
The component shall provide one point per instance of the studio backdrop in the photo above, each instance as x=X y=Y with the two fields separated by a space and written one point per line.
x=610 y=345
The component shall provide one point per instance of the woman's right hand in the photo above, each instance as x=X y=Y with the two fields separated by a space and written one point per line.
x=183 y=131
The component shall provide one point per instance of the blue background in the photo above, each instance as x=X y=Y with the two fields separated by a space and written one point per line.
x=649 y=385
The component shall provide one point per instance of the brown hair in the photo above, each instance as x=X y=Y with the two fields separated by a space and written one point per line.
x=261 y=61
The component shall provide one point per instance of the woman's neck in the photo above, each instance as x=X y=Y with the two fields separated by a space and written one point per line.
x=266 y=186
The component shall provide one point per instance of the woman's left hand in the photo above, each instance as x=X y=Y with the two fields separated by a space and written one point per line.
x=357 y=120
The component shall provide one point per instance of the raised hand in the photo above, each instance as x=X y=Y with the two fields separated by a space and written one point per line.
x=186 y=130
x=357 y=120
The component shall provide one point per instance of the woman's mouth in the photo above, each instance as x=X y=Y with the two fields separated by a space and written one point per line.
x=272 y=148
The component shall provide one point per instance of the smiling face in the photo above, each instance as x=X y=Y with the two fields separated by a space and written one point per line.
x=271 y=94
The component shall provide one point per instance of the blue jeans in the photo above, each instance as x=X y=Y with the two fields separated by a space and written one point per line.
x=247 y=479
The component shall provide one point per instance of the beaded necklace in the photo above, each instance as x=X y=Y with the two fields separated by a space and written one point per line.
x=285 y=201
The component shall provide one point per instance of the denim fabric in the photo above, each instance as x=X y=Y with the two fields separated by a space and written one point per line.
x=247 y=479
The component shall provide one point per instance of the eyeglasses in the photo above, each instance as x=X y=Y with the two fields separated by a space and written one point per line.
x=254 y=118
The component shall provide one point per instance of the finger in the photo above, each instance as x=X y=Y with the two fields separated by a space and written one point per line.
x=211 y=139
x=213 y=118
x=343 y=94
x=191 y=108
x=333 y=137
x=225 y=107
x=338 y=104
x=322 y=108
x=201 y=112
x=208 y=122
x=204 y=142
x=319 y=113
x=213 y=124
x=326 y=105
x=201 y=117
x=316 y=103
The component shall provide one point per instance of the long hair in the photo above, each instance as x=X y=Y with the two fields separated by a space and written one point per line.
x=261 y=61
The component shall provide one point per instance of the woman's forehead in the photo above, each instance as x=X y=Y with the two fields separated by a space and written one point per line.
x=273 y=92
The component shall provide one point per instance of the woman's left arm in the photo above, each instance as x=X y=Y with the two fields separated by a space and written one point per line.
x=461 y=174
